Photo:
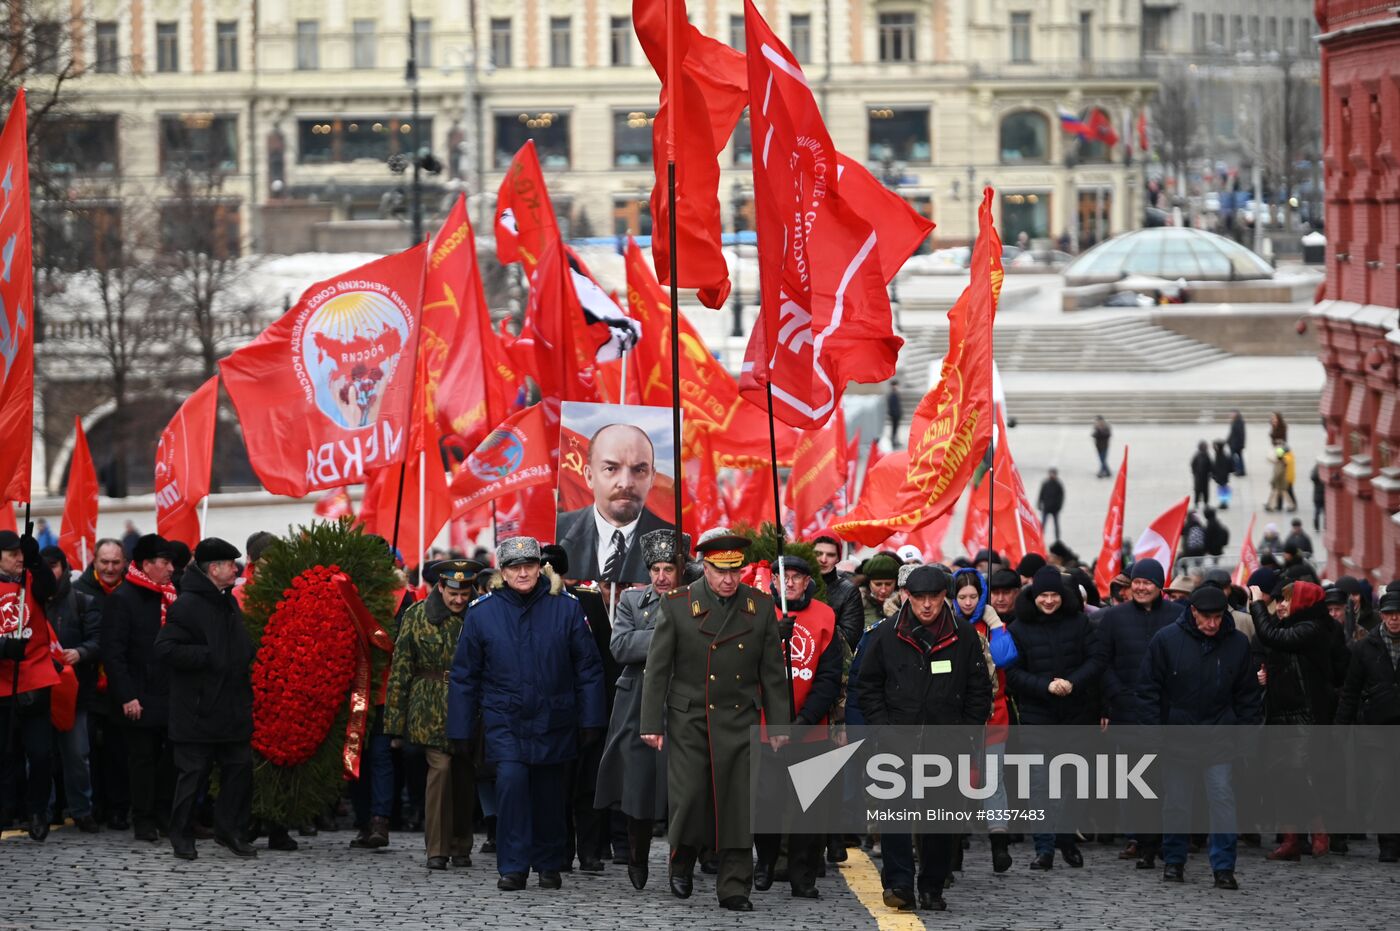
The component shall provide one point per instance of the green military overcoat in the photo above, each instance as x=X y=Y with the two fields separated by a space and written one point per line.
x=712 y=667
x=415 y=705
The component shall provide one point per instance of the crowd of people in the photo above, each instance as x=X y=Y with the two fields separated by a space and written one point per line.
x=574 y=723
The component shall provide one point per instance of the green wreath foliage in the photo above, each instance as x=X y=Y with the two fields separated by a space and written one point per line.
x=765 y=548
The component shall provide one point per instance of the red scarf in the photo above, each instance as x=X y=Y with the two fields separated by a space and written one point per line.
x=141 y=580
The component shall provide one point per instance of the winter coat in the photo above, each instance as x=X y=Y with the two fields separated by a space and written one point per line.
x=845 y=600
x=1223 y=467
x=130 y=623
x=206 y=648
x=1056 y=646
x=896 y=684
x=855 y=717
x=1236 y=438
x=595 y=611
x=415 y=703
x=1052 y=496
x=1298 y=656
x=1200 y=469
x=1124 y=632
x=1101 y=436
x=89 y=585
x=526 y=667
x=1217 y=536
x=1299 y=540
x=1290 y=468
x=1371 y=693
x=76 y=620
x=1189 y=678
x=631 y=775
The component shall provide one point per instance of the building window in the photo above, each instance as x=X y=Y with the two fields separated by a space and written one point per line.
x=106 y=48
x=339 y=140
x=1289 y=38
x=1217 y=30
x=226 y=45
x=48 y=46
x=1027 y=213
x=1305 y=34
x=560 y=42
x=631 y=216
x=620 y=40
x=737 y=36
x=741 y=142
x=1086 y=36
x=1236 y=32
x=500 y=41
x=199 y=142
x=1254 y=41
x=202 y=226
x=308 y=44
x=632 y=138
x=1155 y=27
x=363 y=49
x=800 y=36
x=1025 y=137
x=423 y=42
x=1271 y=33
x=1020 y=37
x=80 y=146
x=896 y=36
x=167 y=47
x=77 y=236
x=1198 y=32
x=899 y=135
x=549 y=129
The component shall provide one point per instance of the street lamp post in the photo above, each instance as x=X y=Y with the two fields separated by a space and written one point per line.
x=411 y=76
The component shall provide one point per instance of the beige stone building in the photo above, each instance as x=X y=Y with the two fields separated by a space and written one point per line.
x=297 y=106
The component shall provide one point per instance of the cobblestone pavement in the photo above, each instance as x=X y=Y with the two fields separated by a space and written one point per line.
x=103 y=881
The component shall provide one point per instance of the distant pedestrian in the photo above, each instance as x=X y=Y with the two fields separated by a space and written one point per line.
x=1271 y=542
x=1236 y=442
x=1278 y=429
x=130 y=536
x=44 y=533
x=1217 y=536
x=1200 y=475
x=1221 y=469
x=894 y=407
x=1051 y=499
x=1102 y=433
x=1297 y=537
x=1319 y=499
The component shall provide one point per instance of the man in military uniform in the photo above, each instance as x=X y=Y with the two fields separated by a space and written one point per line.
x=415 y=708
x=715 y=660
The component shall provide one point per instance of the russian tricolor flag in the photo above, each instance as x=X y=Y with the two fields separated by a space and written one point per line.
x=1071 y=123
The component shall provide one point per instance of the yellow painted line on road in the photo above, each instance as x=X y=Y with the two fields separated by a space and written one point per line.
x=863 y=878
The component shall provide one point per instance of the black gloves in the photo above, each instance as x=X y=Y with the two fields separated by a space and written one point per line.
x=30 y=548
x=785 y=625
x=11 y=648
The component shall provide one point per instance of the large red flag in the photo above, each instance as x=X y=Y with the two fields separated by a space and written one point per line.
x=469 y=382
x=529 y=512
x=818 y=477
x=886 y=505
x=751 y=498
x=16 y=309
x=928 y=539
x=324 y=394
x=952 y=425
x=79 y=532
x=1016 y=530
x=1249 y=556
x=514 y=456
x=334 y=505
x=852 y=467
x=825 y=319
x=421 y=470
x=525 y=222
x=1161 y=537
x=184 y=456
x=7 y=517
x=1110 y=561
x=706 y=96
x=565 y=350
x=703 y=504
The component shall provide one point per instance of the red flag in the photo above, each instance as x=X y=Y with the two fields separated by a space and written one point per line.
x=1160 y=538
x=381 y=501
x=886 y=504
x=79 y=532
x=703 y=504
x=335 y=504
x=514 y=456
x=852 y=467
x=928 y=539
x=7 y=517
x=1110 y=561
x=184 y=456
x=818 y=476
x=565 y=351
x=16 y=309
x=825 y=319
x=525 y=223
x=469 y=382
x=1101 y=127
x=952 y=425
x=751 y=498
x=1017 y=528
x=1142 y=130
x=324 y=393
x=529 y=512
x=1249 y=556
x=707 y=96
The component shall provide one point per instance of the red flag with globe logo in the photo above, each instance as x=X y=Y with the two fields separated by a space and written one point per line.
x=513 y=456
x=323 y=394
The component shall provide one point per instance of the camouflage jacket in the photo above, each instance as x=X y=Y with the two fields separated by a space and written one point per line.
x=416 y=700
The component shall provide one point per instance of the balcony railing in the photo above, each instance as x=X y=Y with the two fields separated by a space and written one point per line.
x=1061 y=68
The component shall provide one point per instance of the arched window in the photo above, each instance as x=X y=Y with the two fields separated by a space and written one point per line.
x=1025 y=137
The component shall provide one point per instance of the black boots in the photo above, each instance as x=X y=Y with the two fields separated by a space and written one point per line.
x=638 y=851
x=1001 y=854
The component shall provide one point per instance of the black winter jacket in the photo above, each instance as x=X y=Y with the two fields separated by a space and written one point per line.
x=1371 y=694
x=130 y=622
x=77 y=621
x=1298 y=656
x=1124 y=632
x=1189 y=678
x=897 y=685
x=1056 y=646
x=206 y=646
x=844 y=598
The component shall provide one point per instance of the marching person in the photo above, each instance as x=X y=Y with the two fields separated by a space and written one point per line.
x=205 y=645
x=715 y=660
x=76 y=621
x=817 y=659
x=415 y=708
x=841 y=593
x=632 y=776
x=881 y=573
x=1198 y=670
x=138 y=683
x=926 y=667
x=527 y=681
x=1371 y=694
x=111 y=795
x=27 y=671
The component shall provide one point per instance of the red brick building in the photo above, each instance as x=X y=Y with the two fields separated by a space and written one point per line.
x=1358 y=319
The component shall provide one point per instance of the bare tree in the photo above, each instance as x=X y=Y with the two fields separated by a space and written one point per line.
x=1175 y=120
x=37 y=50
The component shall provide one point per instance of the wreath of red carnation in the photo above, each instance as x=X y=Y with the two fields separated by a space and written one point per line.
x=303 y=669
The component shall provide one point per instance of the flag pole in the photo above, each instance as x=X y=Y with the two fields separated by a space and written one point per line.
x=677 y=475
x=203 y=519
x=413 y=400
x=785 y=628
x=422 y=506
